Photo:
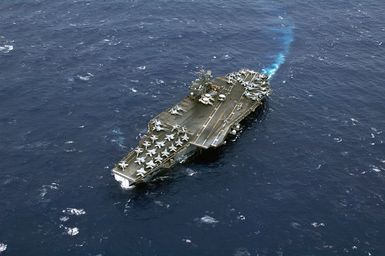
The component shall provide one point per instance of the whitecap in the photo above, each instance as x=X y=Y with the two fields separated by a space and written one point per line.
x=44 y=189
x=72 y=231
x=134 y=90
x=316 y=224
x=6 y=48
x=112 y=42
x=354 y=121
x=190 y=172
x=376 y=169
x=141 y=67
x=119 y=141
x=3 y=247
x=208 y=220
x=295 y=225
x=242 y=252
x=161 y=204
x=69 y=142
x=86 y=77
x=43 y=192
x=375 y=130
x=74 y=211
x=81 y=244
x=64 y=218
x=186 y=240
x=53 y=185
x=117 y=131
x=159 y=81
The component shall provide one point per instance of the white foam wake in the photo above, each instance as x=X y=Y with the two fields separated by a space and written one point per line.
x=74 y=211
x=72 y=231
x=3 y=247
x=208 y=220
x=6 y=48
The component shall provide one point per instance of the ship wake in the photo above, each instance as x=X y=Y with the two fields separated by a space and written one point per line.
x=286 y=37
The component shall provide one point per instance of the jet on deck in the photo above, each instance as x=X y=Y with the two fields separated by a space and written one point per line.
x=203 y=119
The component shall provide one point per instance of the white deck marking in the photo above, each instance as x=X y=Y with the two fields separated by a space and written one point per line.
x=232 y=113
x=211 y=116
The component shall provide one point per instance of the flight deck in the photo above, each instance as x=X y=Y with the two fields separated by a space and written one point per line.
x=203 y=119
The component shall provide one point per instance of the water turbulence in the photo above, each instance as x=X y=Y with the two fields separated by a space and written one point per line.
x=286 y=36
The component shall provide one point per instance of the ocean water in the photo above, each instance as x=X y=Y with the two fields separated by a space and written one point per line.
x=80 y=79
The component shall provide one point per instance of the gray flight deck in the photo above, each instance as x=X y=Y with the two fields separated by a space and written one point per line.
x=203 y=119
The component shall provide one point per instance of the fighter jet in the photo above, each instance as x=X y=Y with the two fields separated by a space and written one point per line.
x=151 y=152
x=158 y=159
x=140 y=160
x=150 y=164
x=245 y=83
x=165 y=153
x=185 y=137
x=175 y=127
x=174 y=112
x=160 y=144
x=141 y=172
x=146 y=144
x=157 y=122
x=138 y=151
x=123 y=164
x=170 y=137
x=159 y=128
x=247 y=93
x=178 y=108
x=178 y=143
x=230 y=80
x=251 y=88
x=183 y=130
x=172 y=148
x=153 y=137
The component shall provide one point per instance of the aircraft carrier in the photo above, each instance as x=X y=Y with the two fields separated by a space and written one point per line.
x=203 y=119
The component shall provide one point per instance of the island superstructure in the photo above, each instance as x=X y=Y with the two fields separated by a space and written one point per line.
x=203 y=119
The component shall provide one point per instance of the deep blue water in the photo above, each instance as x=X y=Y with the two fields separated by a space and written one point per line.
x=79 y=81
